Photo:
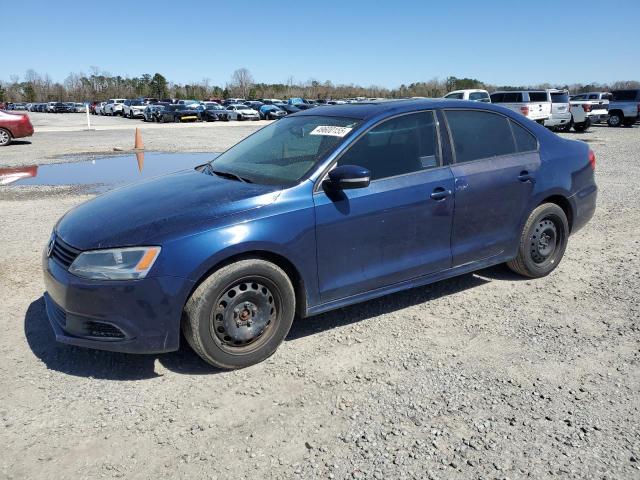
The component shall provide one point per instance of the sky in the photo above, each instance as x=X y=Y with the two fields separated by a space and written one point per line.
x=374 y=42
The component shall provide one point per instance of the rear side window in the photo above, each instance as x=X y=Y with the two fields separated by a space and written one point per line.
x=525 y=141
x=478 y=134
x=538 y=97
x=398 y=146
x=625 y=95
x=497 y=97
x=457 y=96
x=559 y=97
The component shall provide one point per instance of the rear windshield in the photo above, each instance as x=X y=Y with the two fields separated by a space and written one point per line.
x=559 y=97
x=625 y=95
x=537 y=96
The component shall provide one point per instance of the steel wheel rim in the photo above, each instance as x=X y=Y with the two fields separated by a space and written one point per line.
x=545 y=241
x=244 y=314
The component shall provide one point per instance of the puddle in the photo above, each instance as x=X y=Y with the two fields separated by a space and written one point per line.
x=106 y=172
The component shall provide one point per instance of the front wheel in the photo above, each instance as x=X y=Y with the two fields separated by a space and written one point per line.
x=542 y=243
x=240 y=314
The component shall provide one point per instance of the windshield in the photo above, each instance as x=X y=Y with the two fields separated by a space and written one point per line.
x=284 y=152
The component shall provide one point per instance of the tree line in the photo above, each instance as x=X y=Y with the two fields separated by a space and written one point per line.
x=99 y=85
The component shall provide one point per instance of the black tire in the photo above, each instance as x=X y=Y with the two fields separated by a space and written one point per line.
x=542 y=242
x=615 y=119
x=240 y=314
x=239 y=118
x=176 y=119
x=5 y=137
x=583 y=126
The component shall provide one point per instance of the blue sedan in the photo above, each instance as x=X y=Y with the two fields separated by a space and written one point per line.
x=322 y=209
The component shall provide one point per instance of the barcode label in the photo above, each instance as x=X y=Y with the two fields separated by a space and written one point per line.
x=330 y=130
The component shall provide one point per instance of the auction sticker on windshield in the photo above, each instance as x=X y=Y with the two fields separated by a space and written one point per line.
x=330 y=130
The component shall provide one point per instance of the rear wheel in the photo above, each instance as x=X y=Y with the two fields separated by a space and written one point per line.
x=239 y=118
x=542 y=243
x=240 y=314
x=615 y=119
x=5 y=137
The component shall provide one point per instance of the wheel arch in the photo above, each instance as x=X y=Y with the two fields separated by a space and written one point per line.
x=564 y=203
x=277 y=259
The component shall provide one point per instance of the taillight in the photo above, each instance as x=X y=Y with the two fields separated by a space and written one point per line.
x=524 y=110
x=592 y=159
x=586 y=107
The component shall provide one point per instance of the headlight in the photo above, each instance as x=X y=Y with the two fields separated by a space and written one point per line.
x=115 y=264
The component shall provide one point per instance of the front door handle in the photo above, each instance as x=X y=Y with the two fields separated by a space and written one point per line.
x=526 y=177
x=440 y=193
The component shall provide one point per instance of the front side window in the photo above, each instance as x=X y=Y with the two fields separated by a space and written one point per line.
x=478 y=134
x=457 y=96
x=398 y=146
x=512 y=97
x=479 y=96
x=285 y=151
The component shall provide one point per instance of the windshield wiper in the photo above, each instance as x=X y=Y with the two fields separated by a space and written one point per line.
x=229 y=175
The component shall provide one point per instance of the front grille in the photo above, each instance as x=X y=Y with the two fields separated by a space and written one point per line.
x=63 y=253
x=102 y=330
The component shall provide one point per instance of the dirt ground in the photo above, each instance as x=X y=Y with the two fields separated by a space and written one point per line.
x=483 y=376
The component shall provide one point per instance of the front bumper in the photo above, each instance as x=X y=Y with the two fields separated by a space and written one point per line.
x=137 y=316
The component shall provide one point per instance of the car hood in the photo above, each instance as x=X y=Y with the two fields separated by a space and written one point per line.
x=160 y=208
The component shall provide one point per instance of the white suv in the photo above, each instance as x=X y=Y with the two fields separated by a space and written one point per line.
x=475 y=95
x=114 y=106
x=560 y=109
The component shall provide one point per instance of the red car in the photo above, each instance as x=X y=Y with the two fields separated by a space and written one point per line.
x=14 y=125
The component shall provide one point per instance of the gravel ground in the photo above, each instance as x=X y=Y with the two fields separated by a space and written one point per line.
x=483 y=376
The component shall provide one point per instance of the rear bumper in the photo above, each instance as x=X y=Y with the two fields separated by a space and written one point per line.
x=558 y=119
x=140 y=316
x=584 y=206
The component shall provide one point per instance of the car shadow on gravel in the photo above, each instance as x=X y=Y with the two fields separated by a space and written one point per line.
x=84 y=362
x=19 y=142
x=387 y=304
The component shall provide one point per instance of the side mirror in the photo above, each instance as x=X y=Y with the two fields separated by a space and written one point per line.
x=349 y=176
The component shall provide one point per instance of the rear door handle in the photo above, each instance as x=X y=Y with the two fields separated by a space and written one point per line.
x=526 y=177
x=440 y=193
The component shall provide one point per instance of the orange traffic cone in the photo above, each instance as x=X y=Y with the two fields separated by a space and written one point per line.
x=138 y=145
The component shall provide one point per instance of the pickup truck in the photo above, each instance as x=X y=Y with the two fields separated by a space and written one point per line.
x=624 y=107
x=596 y=104
x=533 y=104
x=474 y=94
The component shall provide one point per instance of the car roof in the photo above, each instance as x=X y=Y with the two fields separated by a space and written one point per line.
x=368 y=110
